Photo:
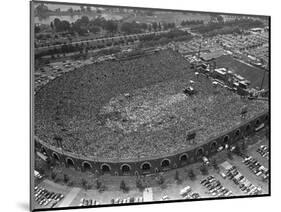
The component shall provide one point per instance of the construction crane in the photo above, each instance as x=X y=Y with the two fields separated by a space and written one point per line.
x=262 y=79
x=212 y=64
x=200 y=46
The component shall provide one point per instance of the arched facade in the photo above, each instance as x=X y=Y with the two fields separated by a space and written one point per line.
x=70 y=162
x=105 y=168
x=183 y=158
x=200 y=152
x=86 y=166
x=225 y=139
x=214 y=146
x=152 y=165
x=145 y=166
x=125 y=168
x=165 y=163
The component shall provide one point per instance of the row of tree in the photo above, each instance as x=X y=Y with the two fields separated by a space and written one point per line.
x=84 y=25
x=192 y=22
x=236 y=25
x=145 y=41
x=165 y=38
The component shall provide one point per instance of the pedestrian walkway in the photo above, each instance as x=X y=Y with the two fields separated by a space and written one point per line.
x=148 y=195
x=69 y=197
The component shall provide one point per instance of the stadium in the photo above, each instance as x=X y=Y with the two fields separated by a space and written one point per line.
x=137 y=116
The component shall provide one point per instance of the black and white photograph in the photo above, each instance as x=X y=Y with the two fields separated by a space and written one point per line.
x=136 y=105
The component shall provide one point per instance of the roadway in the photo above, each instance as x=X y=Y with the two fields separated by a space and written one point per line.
x=103 y=39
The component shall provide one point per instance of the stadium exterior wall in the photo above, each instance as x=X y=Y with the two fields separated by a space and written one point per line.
x=152 y=165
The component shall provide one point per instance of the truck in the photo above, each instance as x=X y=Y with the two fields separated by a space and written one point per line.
x=185 y=191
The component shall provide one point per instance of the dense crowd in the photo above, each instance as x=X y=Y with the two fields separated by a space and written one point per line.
x=72 y=108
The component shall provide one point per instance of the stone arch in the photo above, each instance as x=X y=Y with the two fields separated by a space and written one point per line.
x=183 y=157
x=225 y=139
x=165 y=163
x=86 y=166
x=200 y=152
x=214 y=145
x=105 y=168
x=146 y=166
x=69 y=162
x=56 y=156
x=257 y=122
x=125 y=168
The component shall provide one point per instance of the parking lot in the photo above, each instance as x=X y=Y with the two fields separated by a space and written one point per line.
x=238 y=180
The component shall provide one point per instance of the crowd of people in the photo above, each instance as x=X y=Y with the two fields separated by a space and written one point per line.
x=70 y=108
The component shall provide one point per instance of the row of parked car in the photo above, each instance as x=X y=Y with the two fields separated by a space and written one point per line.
x=263 y=150
x=88 y=202
x=215 y=187
x=127 y=200
x=38 y=175
x=44 y=197
x=244 y=184
x=256 y=167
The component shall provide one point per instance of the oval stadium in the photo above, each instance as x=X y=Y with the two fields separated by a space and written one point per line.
x=139 y=115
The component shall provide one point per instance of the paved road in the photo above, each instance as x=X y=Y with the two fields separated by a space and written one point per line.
x=69 y=197
x=104 y=39
x=148 y=195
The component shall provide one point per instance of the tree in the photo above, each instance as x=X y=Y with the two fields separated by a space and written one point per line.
x=84 y=183
x=41 y=10
x=191 y=174
x=102 y=188
x=154 y=26
x=243 y=145
x=111 y=26
x=88 y=8
x=139 y=184
x=98 y=184
x=36 y=29
x=82 y=9
x=57 y=23
x=220 y=19
x=65 y=178
x=61 y=26
x=177 y=177
x=123 y=186
x=215 y=165
x=70 y=10
x=53 y=175
x=52 y=25
x=94 y=29
x=159 y=26
x=85 y=20
x=229 y=155
x=204 y=170
x=160 y=179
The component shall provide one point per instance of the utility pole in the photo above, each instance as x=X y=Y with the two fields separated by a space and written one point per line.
x=263 y=78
